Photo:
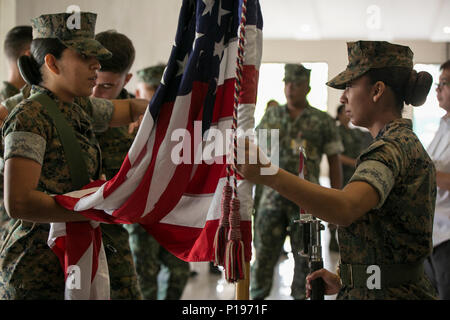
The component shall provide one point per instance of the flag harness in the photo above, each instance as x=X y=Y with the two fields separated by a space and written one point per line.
x=228 y=244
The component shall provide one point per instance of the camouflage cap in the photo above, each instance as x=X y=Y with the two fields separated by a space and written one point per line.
x=151 y=75
x=78 y=37
x=366 y=55
x=295 y=72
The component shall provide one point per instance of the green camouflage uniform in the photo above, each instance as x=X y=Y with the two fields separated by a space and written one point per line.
x=28 y=267
x=25 y=258
x=7 y=90
x=115 y=143
x=354 y=141
x=398 y=230
x=316 y=131
x=5 y=220
x=149 y=256
x=122 y=273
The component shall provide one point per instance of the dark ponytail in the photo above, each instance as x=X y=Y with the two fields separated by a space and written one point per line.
x=407 y=85
x=29 y=70
x=417 y=88
x=30 y=66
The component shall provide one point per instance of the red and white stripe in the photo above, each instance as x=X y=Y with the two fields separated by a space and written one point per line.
x=179 y=204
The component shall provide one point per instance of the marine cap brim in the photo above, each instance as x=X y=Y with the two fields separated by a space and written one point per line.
x=89 y=47
x=341 y=80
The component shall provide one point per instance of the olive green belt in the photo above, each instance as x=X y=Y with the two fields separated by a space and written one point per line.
x=391 y=275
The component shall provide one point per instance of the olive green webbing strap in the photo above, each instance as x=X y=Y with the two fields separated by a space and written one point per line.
x=72 y=150
x=391 y=275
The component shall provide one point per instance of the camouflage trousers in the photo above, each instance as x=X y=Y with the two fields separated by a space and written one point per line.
x=271 y=226
x=150 y=258
x=5 y=223
x=29 y=270
x=122 y=273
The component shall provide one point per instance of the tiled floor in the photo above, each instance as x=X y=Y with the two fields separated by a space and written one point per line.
x=206 y=286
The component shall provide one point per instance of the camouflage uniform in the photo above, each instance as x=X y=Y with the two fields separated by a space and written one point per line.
x=354 y=141
x=25 y=258
x=115 y=143
x=28 y=268
x=7 y=90
x=122 y=273
x=81 y=40
x=316 y=131
x=398 y=230
x=5 y=220
x=149 y=256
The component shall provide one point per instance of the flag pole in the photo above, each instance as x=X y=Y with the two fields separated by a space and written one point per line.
x=243 y=286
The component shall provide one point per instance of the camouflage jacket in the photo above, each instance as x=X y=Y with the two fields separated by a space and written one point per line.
x=399 y=229
x=315 y=130
x=29 y=133
x=354 y=141
x=115 y=143
x=7 y=90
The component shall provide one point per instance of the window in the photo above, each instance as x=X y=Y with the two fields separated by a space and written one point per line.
x=271 y=86
x=426 y=117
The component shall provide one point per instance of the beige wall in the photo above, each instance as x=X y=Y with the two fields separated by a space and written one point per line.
x=151 y=25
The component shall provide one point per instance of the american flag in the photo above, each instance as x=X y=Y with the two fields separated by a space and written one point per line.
x=189 y=118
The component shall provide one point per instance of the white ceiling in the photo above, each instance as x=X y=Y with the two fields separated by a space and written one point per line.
x=357 y=19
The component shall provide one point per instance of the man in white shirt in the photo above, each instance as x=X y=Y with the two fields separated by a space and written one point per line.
x=437 y=266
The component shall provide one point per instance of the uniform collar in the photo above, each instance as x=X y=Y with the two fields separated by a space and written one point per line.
x=395 y=125
x=306 y=110
x=39 y=89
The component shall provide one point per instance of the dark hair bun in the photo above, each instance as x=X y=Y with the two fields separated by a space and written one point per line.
x=29 y=70
x=417 y=88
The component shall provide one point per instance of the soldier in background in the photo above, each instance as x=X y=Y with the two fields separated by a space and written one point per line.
x=148 y=81
x=17 y=43
x=114 y=144
x=149 y=256
x=272 y=103
x=299 y=124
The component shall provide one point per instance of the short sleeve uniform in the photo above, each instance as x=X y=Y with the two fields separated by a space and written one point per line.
x=28 y=268
x=399 y=229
